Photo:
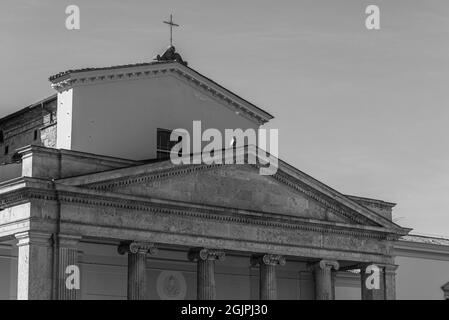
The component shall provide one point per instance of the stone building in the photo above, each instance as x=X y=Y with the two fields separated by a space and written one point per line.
x=35 y=124
x=86 y=183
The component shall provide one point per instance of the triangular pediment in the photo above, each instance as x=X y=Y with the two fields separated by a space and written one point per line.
x=289 y=192
x=158 y=70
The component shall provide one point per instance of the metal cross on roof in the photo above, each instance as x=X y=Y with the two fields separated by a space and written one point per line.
x=172 y=24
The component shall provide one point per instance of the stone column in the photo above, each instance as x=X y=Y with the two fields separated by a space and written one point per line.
x=35 y=266
x=333 y=280
x=267 y=274
x=68 y=289
x=378 y=282
x=137 y=255
x=205 y=272
x=324 y=286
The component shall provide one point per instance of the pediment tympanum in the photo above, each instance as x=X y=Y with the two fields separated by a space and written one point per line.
x=237 y=187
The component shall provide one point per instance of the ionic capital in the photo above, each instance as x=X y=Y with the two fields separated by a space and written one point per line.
x=137 y=247
x=205 y=254
x=326 y=265
x=267 y=259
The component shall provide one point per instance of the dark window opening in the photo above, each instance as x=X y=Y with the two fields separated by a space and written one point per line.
x=2 y=137
x=164 y=145
x=6 y=150
x=16 y=157
x=35 y=135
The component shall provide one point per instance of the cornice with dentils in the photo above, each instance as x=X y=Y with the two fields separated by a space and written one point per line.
x=41 y=190
x=286 y=174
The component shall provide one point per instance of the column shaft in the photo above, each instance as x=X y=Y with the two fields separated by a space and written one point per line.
x=333 y=280
x=206 y=280
x=268 y=282
x=267 y=274
x=137 y=276
x=137 y=257
x=205 y=272
x=324 y=284
x=35 y=266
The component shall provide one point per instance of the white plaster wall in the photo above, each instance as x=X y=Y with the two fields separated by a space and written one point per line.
x=65 y=120
x=121 y=118
x=420 y=278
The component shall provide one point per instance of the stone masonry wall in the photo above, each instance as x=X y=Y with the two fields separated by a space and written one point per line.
x=24 y=129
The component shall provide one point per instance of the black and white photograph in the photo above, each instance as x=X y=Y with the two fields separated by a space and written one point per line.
x=240 y=151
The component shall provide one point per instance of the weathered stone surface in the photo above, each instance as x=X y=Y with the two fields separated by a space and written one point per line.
x=19 y=129
x=134 y=203
x=233 y=186
x=387 y=283
x=48 y=136
x=205 y=259
x=381 y=207
x=324 y=284
x=137 y=257
x=124 y=223
x=47 y=163
x=267 y=274
x=35 y=262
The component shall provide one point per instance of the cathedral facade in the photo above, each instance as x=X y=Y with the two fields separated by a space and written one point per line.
x=92 y=207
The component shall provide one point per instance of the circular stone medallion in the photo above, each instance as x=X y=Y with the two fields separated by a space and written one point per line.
x=171 y=285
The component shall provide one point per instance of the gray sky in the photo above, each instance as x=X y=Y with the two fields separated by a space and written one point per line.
x=365 y=112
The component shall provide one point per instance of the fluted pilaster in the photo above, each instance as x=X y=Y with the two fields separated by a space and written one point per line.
x=205 y=259
x=267 y=274
x=137 y=254
x=68 y=264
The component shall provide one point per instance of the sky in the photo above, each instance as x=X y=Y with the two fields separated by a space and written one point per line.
x=364 y=111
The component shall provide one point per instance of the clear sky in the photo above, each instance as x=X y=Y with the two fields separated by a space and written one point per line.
x=365 y=112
